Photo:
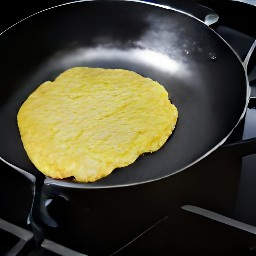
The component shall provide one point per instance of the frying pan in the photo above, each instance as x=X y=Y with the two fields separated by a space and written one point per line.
x=204 y=77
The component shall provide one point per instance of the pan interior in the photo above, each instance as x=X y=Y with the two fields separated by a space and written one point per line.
x=203 y=76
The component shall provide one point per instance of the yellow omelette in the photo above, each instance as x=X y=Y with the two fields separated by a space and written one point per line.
x=90 y=121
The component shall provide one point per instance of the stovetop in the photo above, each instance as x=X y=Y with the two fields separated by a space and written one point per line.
x=196 y=228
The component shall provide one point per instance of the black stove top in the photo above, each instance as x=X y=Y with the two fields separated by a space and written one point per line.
x=226 y=222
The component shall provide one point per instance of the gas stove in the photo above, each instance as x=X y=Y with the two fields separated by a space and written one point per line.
x=223 y=221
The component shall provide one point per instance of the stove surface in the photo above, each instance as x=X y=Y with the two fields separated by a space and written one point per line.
x=208 y=226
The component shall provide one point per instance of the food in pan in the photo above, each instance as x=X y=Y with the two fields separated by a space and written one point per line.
x=90 y=121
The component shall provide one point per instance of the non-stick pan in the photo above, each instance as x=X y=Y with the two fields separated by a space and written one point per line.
x=204 y=77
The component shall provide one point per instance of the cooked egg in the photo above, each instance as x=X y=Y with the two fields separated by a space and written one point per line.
x=90 y=121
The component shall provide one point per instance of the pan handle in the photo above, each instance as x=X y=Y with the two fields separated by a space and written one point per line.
x=246 y=146
x=239 y=148
x=203 y=13
x=250 y=59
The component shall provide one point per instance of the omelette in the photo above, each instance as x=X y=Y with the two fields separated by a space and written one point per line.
x=90 y=121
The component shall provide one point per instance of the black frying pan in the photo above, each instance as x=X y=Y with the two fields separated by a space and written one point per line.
x=205 y=78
